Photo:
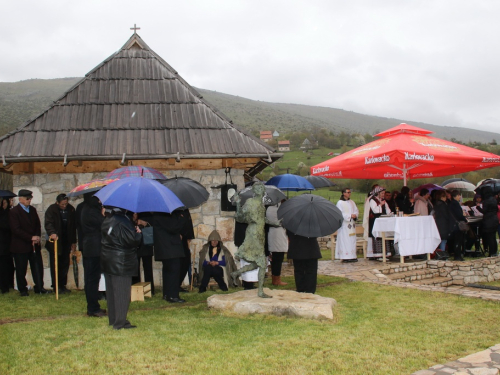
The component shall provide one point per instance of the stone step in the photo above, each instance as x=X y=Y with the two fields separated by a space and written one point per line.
x=412 y=275
x=439 y=281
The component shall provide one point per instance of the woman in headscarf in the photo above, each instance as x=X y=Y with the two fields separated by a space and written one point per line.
x=346 y=235
x=216 y=262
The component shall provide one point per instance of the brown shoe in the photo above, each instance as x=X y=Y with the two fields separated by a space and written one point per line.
x=99 y=314
x=277 y=281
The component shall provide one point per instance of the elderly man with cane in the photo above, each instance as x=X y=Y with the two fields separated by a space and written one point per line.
x=25 y=243
x=60 y=226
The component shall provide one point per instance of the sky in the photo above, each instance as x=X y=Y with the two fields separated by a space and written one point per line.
x=433 y=61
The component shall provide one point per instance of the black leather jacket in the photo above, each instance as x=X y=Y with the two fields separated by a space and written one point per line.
x=119 y=245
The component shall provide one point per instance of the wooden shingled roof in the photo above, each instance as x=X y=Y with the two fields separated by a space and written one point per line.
x=132 y=104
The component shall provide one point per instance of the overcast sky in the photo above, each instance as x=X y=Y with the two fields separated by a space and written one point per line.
x=433 y=61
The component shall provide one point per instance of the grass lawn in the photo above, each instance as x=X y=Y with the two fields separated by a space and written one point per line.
x=377 y=330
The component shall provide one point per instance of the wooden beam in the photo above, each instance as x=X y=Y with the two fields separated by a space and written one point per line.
x=76 y=166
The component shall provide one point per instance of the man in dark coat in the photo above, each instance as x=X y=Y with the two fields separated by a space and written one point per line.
x=119 y=243
x=91 y=219
x=168 y=249
x=305 y=253
x=490 y=220
x=61 y=227
x=25 y=243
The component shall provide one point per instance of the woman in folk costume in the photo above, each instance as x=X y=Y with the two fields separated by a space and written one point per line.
x=375 y=206
x=346 y=237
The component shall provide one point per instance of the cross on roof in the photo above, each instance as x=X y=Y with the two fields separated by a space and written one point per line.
x=135 y=29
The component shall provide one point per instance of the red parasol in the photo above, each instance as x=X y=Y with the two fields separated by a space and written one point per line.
x=403 y=152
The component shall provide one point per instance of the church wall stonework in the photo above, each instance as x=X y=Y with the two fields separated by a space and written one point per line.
x=206 y=217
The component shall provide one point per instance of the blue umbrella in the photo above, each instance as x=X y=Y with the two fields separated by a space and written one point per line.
x=290 y=182
x=138 y=194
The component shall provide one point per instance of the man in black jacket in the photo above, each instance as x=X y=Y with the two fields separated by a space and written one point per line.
x=168 y=249
x=90 y=219
x=60 y=226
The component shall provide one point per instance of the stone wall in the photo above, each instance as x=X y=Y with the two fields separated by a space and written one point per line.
x=460 y=273
x=470 y=272
x=206 y=217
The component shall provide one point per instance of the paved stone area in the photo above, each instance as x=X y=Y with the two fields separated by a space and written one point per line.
x=486 y=362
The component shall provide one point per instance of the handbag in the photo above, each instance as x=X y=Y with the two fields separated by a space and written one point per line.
x=463 y=226
x=147 y=236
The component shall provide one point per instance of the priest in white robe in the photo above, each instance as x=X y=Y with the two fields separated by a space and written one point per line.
x=346 y=235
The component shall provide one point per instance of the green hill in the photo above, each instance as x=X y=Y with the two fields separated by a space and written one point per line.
x=20 y=101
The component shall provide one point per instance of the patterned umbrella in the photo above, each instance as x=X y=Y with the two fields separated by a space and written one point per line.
x=136 y=171
x=90 y=187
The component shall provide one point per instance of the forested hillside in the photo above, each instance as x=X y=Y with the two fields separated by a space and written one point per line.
x=20 y=101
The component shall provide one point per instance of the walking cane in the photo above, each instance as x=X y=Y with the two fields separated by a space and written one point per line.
x=55 y=266
x=193 y=259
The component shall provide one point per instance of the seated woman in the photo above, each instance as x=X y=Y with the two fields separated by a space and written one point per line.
x=215 y=261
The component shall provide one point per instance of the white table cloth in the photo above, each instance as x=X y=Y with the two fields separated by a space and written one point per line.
x=414 y=234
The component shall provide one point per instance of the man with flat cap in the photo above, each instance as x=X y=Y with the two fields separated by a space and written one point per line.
x=25 y=243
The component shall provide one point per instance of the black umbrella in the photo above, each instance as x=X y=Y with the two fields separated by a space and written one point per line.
x=450 y=180
x=310 y=215
x=189 y=191
x=494 y=183
x=272 y=196
x=320 y=182
x=75 y=270
x=7 y=194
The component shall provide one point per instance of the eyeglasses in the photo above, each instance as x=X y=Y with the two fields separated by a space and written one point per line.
x=28 y=199
x=347 y=192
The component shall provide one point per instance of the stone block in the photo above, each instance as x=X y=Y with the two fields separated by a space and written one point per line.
x=211 y=207
x=209 y=220
x=197 y=218
x=203 y=231
x=283 y=303
x=225 y=227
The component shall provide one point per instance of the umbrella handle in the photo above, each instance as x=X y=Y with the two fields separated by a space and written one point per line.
x=55 y=266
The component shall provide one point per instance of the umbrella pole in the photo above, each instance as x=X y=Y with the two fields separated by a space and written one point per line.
x=55 y=266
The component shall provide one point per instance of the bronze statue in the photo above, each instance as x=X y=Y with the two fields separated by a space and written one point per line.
x=251 y=250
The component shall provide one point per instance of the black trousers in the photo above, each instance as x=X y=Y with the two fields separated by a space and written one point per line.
x=21 y=261
x=490 y=242
x=91 y=277
x=276 y=262
x=6 y=272
x=184 y=268
x=456 y=241
x=170 y=273
x=306 y=275
x=62 y=263
x=147 y=265
x=118 y=289
x=213 y=271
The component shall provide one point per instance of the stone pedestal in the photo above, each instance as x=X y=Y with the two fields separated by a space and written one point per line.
x=284 y=302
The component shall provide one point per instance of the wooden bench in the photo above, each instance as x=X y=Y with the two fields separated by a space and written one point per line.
x=139 y=291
